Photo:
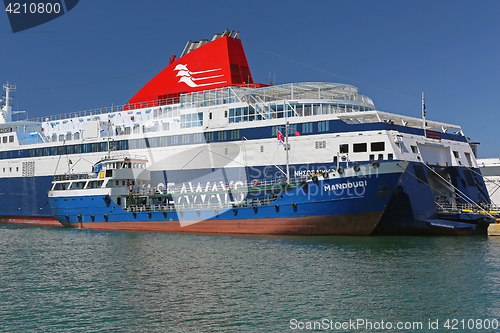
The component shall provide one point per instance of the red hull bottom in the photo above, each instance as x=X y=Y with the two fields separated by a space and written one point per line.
x=361 y=224
x=30 y=221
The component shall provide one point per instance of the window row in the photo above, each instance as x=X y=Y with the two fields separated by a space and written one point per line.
x=362 y=147
x=163 y=141
x=7 y=139
x=372 y=157
x=304 y=128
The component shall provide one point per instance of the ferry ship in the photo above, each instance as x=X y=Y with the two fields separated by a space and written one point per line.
x=202 y=121
x=116 y=196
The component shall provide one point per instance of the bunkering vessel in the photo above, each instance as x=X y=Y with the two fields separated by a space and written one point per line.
x=202 y=119
x=117 y=196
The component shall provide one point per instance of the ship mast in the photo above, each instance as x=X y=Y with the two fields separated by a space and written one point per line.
x=109 y=148
x=423 y=115
x=287 y=148
x=7 y=110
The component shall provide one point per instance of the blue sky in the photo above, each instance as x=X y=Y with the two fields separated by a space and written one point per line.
x=103 y=52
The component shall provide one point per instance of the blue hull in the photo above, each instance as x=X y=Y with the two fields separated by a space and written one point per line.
x=26 y=197
x=412 y=209
x=345 y=206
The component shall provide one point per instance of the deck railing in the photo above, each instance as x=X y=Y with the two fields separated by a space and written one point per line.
x=467 y=208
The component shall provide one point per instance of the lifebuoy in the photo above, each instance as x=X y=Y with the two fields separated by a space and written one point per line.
x=255 y=182
x=230 y=186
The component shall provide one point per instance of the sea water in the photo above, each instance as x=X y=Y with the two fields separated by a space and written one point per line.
x=67 y=280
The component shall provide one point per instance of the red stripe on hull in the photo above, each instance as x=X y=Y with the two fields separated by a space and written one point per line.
x=361 y=224
x=30 y=221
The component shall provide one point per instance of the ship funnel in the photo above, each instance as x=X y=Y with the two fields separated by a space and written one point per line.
x=203 y=65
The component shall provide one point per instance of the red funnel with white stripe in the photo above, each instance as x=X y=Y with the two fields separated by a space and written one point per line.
x=217 y=64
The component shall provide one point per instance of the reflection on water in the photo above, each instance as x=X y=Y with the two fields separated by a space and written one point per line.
x=56 y=279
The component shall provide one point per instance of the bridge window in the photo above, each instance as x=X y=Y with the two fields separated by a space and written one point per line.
x=377 y=146
x=198 y=137
x=192 y=119
x=359 y=147
x=209 y=136
x=174 y=139
x=221 y=135
x=235 y=134
x=323 y=126
x=344 y=148
x=307 y=127
x=273 y=130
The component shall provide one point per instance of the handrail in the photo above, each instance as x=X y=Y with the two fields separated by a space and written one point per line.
x=266 y=94
x=447 y=207
x=148 y=207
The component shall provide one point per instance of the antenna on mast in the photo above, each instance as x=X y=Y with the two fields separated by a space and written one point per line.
x=423 y=115
x=6 y=112
x=7 y=109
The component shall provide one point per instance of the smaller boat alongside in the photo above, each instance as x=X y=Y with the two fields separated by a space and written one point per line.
x=117 y=195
